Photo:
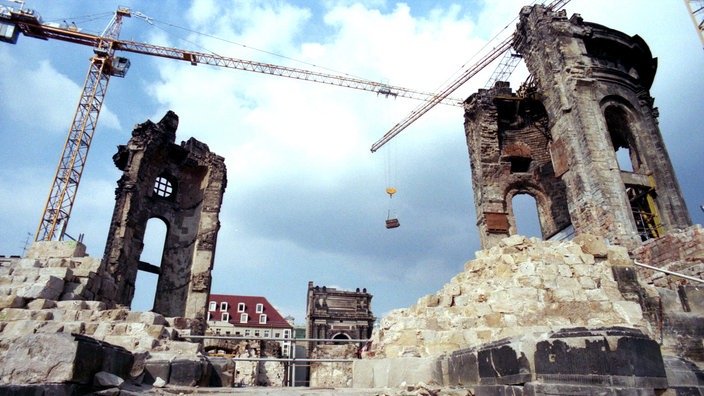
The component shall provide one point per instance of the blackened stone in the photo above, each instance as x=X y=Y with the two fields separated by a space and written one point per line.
x=44 y=390
x=156 y=369
x=501 y=364
x=89 y=359
x=683 y=373
x=463 y=367
x=221 y=372
x=498 y=390
x=587 y=358
x=185 y=372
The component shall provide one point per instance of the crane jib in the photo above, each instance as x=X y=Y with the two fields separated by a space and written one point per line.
x=105 y=64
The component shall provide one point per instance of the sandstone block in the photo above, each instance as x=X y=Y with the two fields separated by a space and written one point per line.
x=47 y=287
x=147 y=318
x=11 y=314
x=71 y=305
x=630 y=311
x=18 y=328
x=513 y=241
x=11 y=301
x=222 y=373
x=59 y=262
x=95 y=305
x=104 y=379
x=55 y=249
x=618 y=255
x=592 y=244
x=27 y=262
x=41 y=304
x=74 y=327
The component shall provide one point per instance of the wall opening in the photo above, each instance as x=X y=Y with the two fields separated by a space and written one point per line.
x=621 y=135
x=150 y=263
x=525 y=214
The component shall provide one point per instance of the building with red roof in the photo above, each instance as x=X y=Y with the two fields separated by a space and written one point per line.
x=247 y=316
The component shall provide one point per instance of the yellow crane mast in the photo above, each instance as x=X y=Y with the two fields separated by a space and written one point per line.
x=105 y=64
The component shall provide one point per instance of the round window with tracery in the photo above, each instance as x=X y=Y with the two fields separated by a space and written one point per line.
x=163 y=187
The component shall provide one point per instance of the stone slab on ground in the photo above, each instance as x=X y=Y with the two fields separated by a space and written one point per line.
x=59 y=358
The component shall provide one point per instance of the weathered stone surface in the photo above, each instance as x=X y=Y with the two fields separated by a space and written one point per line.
x=55 y=249
x=41 y=304
x=592 y=244
x=382 y=373
x=156 y=369
x=46 y=287
x=193 y=181
x=186 y=372
x=104 y=379
x=221 y=372
x=39 y=358
x=521 y=286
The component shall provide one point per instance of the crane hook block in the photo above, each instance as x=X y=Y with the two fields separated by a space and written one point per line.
x=392 y=223
x=391 y=191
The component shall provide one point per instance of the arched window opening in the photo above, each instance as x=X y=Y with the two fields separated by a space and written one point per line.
x=341 y=336
x=621 y=136
x=525 y=214
x=149 y=265
x=623 y=157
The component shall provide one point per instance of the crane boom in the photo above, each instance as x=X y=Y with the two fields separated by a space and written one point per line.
x=444 y=93
x=452 y=86
x=105 y=64
x=696 y=11
x=30 y=26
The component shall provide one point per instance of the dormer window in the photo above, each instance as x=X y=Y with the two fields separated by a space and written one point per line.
x=240 y=307
x=213 y=306
x=244 y=318
x=225 y=316
x=262 y=318
x=260 y=308
x=223 y=306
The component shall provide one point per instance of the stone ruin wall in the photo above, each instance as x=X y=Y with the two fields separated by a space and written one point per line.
x=64 y=316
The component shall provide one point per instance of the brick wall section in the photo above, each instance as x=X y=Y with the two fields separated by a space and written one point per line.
x=681 y=252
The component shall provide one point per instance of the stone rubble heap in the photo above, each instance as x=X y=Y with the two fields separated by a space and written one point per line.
x=521 y=286
x=537 y=317
x=52 y=331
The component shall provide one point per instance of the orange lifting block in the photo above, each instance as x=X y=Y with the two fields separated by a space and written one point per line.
x=392 y=223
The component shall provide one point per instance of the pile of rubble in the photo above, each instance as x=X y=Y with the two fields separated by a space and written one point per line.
x=52 y=331
x=521 y=286
x=542 y=317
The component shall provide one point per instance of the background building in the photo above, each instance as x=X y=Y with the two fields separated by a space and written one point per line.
x=247 y=316
x=338 y=314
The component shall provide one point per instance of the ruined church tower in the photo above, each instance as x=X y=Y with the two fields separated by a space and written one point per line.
x=183 y=186
x=581 y=137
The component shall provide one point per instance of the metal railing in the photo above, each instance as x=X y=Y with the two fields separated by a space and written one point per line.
x=292 y=361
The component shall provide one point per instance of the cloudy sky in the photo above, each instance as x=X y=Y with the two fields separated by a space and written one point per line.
x=305 y=199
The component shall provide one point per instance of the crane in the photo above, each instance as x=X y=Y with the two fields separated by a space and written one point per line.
x=696 y=11
x=105 y=64
x=504 y=70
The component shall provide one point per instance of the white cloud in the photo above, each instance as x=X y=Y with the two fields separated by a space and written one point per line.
x=41 y=85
